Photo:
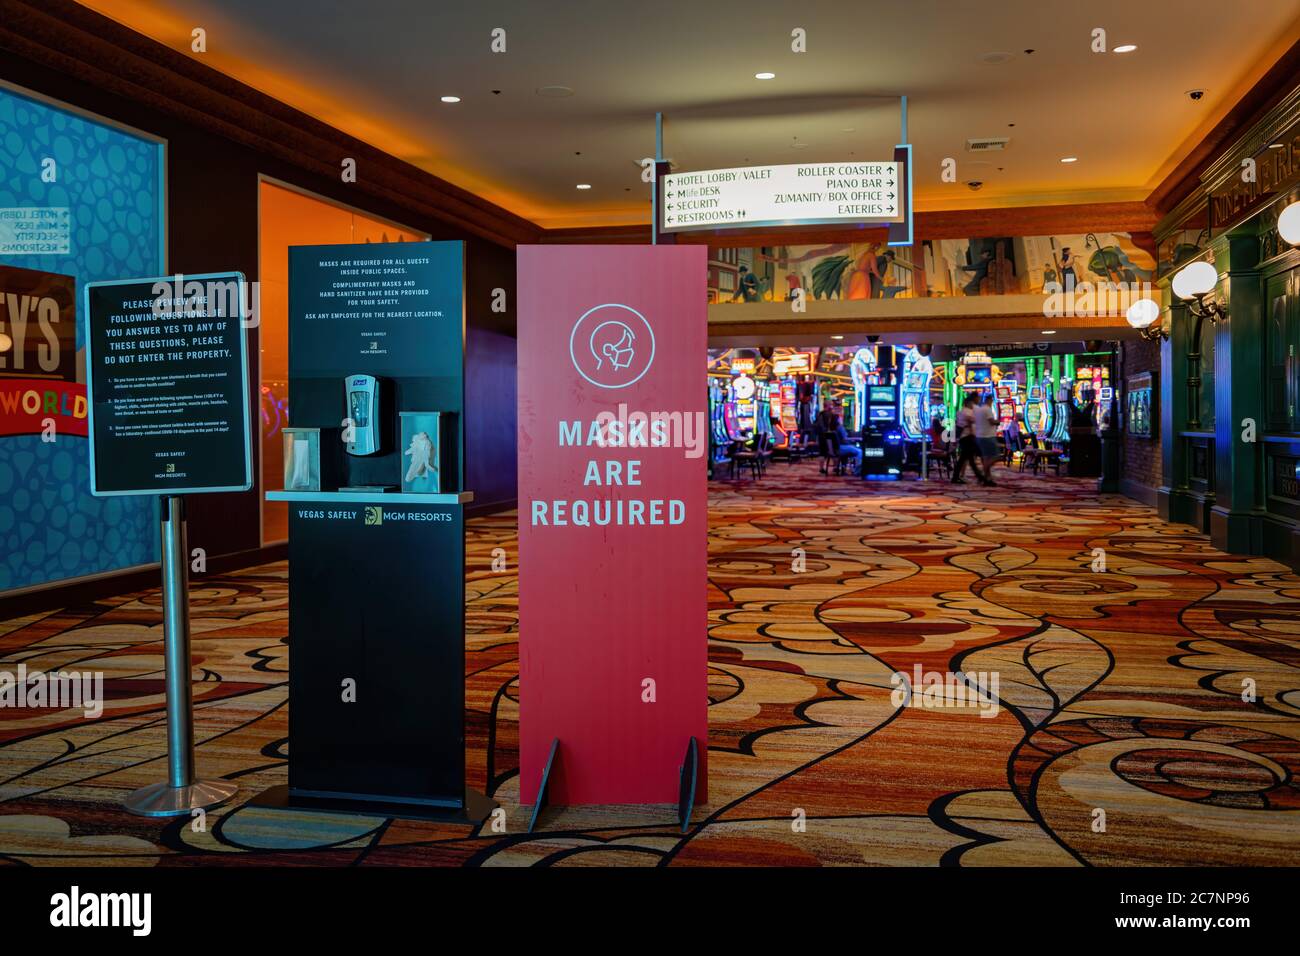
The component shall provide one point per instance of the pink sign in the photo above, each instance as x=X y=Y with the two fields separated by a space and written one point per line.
x=613 y=520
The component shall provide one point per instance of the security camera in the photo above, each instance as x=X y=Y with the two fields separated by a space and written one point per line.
x=975 y=184
x=1195 y=95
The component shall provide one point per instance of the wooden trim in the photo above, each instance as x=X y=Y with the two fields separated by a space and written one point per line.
x=1020 y=221
x=82 y=44
x=597 y=235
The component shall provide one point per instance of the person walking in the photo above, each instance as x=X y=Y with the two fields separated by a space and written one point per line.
x=824 y=426
x=967 y=447
x=986 y=434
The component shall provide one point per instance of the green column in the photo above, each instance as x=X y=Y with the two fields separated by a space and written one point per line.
x=1239 y=344
x=1173 y=499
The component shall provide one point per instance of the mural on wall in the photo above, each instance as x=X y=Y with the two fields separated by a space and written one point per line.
x=1007 y=265
x=858 y=270
x=84 y=200
x=999 y=265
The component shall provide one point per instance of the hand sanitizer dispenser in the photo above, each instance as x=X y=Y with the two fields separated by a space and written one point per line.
x=362 y=400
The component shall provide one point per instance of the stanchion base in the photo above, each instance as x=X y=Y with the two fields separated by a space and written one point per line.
x=164 y=800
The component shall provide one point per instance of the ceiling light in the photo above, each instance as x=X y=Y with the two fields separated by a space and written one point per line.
x=1049 y=331
x=1288 y=224
x=1126 y=48
x=765 y=76
x=1069 y=159
x=450 y=99
x=584 y=185
x=1195 y=279
x=838 y=338
x=554 y=92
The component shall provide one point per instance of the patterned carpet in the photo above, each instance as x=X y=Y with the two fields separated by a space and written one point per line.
x=1121 y=728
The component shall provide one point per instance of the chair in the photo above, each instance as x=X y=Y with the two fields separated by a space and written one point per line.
x=940 y=459
x=763 y=452
x=742 y=457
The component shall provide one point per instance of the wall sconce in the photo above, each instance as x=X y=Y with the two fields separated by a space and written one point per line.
x=1194 y=283
x=1144 y=315
x=1288 y=224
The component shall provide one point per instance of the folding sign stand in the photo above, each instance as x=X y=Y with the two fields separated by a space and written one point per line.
x=180 y=794
x=686 y=787
x=544 y=785
x=687 y=775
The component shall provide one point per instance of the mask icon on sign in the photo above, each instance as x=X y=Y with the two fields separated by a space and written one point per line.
x=613 y=341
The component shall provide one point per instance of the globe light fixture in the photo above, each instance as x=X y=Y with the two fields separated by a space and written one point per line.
x=1288 y=224
x=1195 y=283
x=1143 y=316
x=1195 y=279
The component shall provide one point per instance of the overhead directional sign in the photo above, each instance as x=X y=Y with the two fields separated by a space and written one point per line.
x=783 y=195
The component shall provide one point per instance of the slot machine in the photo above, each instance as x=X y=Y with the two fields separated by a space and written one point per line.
x=1061 y=413
x=914 y=400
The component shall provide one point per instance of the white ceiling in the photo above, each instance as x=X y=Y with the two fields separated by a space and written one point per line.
x=377 y=69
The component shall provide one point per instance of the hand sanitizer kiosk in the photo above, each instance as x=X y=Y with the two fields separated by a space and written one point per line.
x=362 y=395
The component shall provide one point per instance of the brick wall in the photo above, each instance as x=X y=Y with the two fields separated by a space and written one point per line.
x=1141 y=465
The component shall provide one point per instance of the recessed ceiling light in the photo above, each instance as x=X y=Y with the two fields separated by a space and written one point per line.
x=584 y=185
x=554 y=91
x=1049 y=331
x=1069 y=159
x=765 y=76
x=847 y=129
x=996 y=57
x=450 y=99
x=838 y=338
x=798 y=145
x=1126 y=48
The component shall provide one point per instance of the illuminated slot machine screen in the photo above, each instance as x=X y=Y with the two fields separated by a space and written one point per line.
x=1035 y=417
x=1006 y=405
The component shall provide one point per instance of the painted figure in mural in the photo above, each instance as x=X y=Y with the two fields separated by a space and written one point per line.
x=1049 y=273
x=794 y=282
x=1068 y=276
x=864 y=282
x=980 y=272
x=748 y=288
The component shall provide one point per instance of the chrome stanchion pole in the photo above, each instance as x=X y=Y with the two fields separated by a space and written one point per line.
x=180 y=794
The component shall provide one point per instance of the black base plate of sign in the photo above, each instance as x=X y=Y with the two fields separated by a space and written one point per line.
x=478 y=807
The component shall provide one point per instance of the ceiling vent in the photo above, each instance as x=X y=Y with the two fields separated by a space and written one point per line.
x=989 y=144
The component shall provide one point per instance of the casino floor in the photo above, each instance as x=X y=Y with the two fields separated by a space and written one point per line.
x=1146 y=713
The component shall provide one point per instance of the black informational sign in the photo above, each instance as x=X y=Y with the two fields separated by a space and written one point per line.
x=167 y=383
x=391 y=310
x=386 y=309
